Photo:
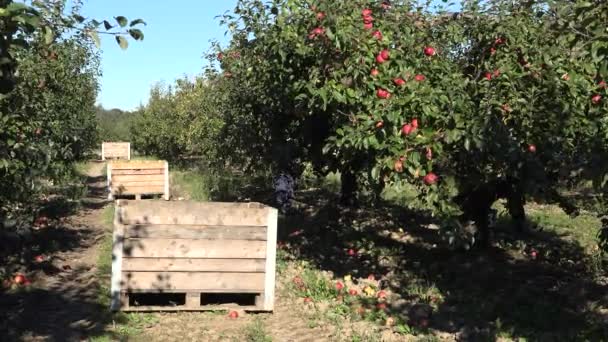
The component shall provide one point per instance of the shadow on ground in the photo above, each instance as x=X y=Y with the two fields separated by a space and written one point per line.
x=476 y=295
x=63 y=303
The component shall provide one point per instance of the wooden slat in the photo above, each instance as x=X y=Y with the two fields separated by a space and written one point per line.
x=117 y=182
x=138 y=164
x=192 y=308
x=138 y=178
x=192 y=281
x=133 y=190
x=193 y=265
x=139 y=172
x=177 y=248
x=196 y=232
x=199 y=213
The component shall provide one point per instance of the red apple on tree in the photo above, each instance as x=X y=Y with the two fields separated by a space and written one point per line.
x=532 y=148
x=366 y=12
x=368 y=26
x=383 y=94
x=398 y=166
x=352 y=252
x=596 y=99
x=20 y=279
x=429 y=51
x=381 y=306
x=381 y=294
x=420 y=77
x=377 y=34
x=375 y=72
x=385 y=54
x=380 y=124
x=320 y=15
x=602 y=84
x=399 y=82
x=380 y=60
x=430 y=178
x=352 y=292
x=415 y=123
x=488 y=76
x=339 y=285
x=407 y=129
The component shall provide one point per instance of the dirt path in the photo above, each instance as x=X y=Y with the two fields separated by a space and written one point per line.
x=63 y=301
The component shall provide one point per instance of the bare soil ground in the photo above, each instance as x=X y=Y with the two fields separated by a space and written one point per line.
x=62 y=302
x=501 y=294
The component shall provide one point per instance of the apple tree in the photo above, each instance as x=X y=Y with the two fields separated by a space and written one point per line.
x=493 y=101
x=48 y=86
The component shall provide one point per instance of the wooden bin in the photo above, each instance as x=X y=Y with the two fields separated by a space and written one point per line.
x=115 y=150
x=194 y=249
x=138 y=178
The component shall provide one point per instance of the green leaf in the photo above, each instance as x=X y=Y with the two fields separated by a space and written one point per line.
x=137 y=34
x=95 y=37
x=122 y=21
x=49 y=35
x=79 y=18
x=137 y=22
x=122 y=41
x=107 y=25
x=16 y=7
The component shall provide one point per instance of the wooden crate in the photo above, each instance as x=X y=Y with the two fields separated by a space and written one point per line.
x=137 y=178
x=115 y=150
x=195 y=250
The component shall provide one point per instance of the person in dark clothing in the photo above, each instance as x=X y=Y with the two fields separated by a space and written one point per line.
x=284 y=185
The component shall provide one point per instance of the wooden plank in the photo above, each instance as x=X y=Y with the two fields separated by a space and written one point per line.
x=192 y=308
x=116 y=150
x=138 y=178
x=271 y=255
x=192 y=281
x=139 y=172
x=135 y=190
x=117 y=180
x=117 y=249
x=166 y=194
x=120 y=183
x=198 y=265
x=138 y=164
x=193 y=299
x=196 y=232
x=178 y=248
x=199 y=213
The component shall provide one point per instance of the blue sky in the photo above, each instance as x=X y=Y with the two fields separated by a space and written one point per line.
x=176 y=37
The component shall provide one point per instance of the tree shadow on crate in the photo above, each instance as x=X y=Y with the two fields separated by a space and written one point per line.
x=479 y=294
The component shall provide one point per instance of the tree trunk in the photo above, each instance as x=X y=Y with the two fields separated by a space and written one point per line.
x=348 y=187
x=515 y=205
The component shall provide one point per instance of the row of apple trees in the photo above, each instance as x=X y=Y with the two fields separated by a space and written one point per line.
x=48 y=86
x=500 y=99
x=467 y=104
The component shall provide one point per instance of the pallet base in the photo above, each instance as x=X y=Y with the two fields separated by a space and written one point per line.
x=137 y=197
x=191 y=301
